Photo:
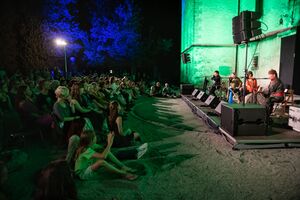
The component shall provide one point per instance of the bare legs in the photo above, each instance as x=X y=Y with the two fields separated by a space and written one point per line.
x=123 y=171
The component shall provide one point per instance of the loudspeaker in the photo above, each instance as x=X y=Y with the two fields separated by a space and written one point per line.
x=195 y=93
x=218 y=108
x=186 y=89
x=239 y=120
x=212 y=101
x=202 y=96
x=245 y=26
x=185 y=57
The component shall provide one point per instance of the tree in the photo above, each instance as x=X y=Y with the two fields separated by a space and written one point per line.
x=101 y=37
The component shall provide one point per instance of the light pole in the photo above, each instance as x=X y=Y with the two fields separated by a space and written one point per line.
x=63 y=43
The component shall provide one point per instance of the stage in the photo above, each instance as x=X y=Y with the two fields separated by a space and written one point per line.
x=279 y=135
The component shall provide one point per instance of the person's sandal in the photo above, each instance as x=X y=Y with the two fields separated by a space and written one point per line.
x=130 y=177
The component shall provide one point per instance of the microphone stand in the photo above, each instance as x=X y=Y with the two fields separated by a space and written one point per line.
x=246 y=71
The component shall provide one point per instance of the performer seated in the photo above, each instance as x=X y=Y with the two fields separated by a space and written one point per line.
x=251 y=88
x=274 y=93
x=235 y=86
x=217 y=83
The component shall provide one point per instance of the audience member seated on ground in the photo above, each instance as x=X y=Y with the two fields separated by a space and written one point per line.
x=3 y=179
x=115 y=124
x=274 y=93
x=251 y=88
x=43 y=100
x=62 y=108
x=91 y=113
x=28 y=111
x=9 y=119
x=55 y=182
x=216 y=78
x=97 y=97
x=52 y=87
x=168 y=92
x=74 y=141
x=89 y=161
x=155 y=90
x=5 y=100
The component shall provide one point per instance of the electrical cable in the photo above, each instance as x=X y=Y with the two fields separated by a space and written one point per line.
x=267 y=28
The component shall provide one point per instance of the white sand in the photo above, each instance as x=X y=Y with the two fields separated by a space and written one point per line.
x=186 y=160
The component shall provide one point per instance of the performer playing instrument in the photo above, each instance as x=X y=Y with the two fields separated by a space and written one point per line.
x=251 y=88
x=274 y=93
x=235 y=86
x=217 y=83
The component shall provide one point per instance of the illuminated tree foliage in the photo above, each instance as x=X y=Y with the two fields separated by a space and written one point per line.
x=95 y=35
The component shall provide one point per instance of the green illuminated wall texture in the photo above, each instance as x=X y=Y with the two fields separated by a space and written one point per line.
x=209 y=23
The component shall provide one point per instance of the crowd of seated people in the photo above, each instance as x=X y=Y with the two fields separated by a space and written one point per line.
x=156 y=90
x=87 y=111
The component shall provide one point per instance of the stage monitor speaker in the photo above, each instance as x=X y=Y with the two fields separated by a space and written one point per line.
x=186 y=89
x=218 y=108
x=202 y=96
x=195 y=92
x=239 y=120
x=212 y=101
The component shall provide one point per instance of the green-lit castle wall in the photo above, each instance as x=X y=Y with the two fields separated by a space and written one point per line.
x=207 y=37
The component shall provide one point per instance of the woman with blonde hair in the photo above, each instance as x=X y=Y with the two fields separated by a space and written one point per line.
x=63 y=108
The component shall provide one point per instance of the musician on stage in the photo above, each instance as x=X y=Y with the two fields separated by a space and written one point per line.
x=235 y=81
x=217 y=82
x=251 y=88
x=235 y=86
x=274 y=92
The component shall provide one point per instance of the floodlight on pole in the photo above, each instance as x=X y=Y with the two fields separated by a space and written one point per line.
x=60 y=42
x=63 y=43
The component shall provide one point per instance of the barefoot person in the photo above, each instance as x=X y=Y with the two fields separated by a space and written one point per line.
x=89 y=158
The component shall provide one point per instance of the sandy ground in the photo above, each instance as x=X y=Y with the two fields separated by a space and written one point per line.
x=186 y=160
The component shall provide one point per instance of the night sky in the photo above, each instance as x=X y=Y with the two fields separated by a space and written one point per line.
x=159 y=20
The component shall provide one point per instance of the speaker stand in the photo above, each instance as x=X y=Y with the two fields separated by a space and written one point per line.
x=246 y=72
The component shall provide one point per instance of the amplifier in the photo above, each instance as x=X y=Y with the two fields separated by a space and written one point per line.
x=202 y=96
x=212 y=101
x=186 y=89
x=239 y=120
x=294 y=117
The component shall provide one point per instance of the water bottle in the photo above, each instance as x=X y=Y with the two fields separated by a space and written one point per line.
x=230 y=99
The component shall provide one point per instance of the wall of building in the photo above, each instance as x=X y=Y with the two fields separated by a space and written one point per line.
x=208 y=26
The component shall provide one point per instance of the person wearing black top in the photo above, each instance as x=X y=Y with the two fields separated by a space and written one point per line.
x=217 y=83
x=274 y=93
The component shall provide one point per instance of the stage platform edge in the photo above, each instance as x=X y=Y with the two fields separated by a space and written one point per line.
x=288 y=139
